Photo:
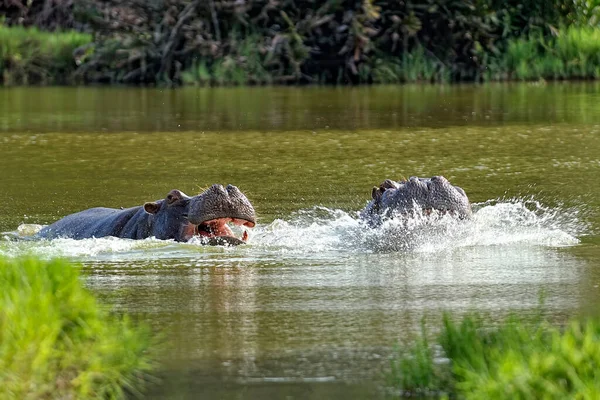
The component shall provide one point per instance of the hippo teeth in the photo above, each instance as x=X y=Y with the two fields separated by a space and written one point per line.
x=218 y=227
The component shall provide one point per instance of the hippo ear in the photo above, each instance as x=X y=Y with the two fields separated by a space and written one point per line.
x=151 y=208
x=174 y=195
x=376 y=193
x=388 y=184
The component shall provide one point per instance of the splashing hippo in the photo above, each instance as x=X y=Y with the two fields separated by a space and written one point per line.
x=393 y=198
x=177 y=217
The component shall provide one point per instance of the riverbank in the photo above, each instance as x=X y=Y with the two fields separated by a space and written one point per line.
x=32 y=56
x=56 y=341
x=252 y=43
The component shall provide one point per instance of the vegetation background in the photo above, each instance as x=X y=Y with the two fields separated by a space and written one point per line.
x=172 y=42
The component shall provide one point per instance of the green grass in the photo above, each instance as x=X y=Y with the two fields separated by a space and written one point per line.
x=415 y=66
x=252 y=55
x=516 y=359
x=31 y=56
x=414 y=372
x=56 y=341
x=245 y=65
x=573 y=54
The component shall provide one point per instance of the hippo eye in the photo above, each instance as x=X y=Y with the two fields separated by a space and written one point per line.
x=171 y=198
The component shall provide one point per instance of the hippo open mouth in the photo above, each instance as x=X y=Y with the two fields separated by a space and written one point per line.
x=211 y=212
x=216 y=231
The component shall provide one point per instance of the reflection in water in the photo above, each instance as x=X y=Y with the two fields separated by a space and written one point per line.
x=238 y=322
x=233 y=321
x=282 y=109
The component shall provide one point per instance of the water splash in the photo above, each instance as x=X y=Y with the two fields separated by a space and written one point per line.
x=518 y=221
x=329 y=232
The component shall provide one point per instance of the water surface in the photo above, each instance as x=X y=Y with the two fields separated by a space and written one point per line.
x=313 y=305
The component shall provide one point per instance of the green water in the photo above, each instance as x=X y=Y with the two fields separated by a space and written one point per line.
x=312 y=307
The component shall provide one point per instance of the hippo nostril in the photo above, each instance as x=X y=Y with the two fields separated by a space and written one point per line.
x=232 y=189
x=218 y=188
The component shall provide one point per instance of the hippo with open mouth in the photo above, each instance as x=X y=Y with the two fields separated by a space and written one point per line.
x=177 y=217
x=393 y=198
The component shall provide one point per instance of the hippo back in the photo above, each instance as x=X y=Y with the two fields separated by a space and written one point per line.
x=94 y=222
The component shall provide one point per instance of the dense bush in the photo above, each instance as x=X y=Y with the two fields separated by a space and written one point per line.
x=297 y=41
x=57 y=342
x=306 y=41
x=573 y=53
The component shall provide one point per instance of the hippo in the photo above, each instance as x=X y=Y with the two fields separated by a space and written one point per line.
x=177 y=216
x=393 y=198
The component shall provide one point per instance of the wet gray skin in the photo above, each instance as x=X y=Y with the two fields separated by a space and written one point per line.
x=177 y=217
x=393 y=198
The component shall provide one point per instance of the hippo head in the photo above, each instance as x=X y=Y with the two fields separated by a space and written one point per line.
x=428 y=194
x=206 y=215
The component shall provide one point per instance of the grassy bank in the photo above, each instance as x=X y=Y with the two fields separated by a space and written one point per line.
x=516 y=359
x=57 y=342
x=298 y=42
x=220 y=42
x=572 y=53
x=31 y=56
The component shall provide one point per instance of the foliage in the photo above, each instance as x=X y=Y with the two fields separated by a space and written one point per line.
x=55 y=15
x=246 y=64
x=414 y=371
x=305 y=41
x=517 y=359
x=57 y=342
x=584 y=12
x=413 y=66
x=573 y=53
x=28 y=55
x=300 y=41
